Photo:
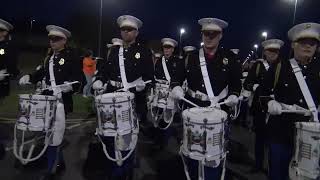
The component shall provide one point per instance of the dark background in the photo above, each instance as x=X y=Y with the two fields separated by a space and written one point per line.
x=247 y=19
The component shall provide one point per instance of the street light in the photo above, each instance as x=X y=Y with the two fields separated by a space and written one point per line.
x=265 y=35
x=201 y=44
x=182 y=31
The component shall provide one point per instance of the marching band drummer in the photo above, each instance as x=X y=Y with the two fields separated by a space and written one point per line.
x=289 y=83
x=138 y=63
x=62 y=65
x=8 y=66
x=271 y=51
x=167 y=67
x=8 y=59
x=212 y=73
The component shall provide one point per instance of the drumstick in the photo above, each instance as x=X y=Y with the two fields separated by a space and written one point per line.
x=295 y=111
x=186 y=100
x=70 y=83
x=145 y=82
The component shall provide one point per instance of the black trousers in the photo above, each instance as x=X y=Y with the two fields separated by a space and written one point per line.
x=260 y=140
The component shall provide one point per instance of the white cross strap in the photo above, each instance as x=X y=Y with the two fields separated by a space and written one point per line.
x=304 y=89
x=165 y=69
x=122 y=69
x=205 y=74
x=52 y=76
x=266 y=65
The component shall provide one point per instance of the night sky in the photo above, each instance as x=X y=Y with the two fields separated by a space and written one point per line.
x=247 y=18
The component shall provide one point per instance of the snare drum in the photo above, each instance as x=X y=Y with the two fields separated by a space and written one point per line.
x=36 y=112
x=305 y=162
x=116 y=115
x=163 y=98
x=204 y=134
x=163 y=105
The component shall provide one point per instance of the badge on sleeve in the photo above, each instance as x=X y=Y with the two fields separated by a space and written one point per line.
x=137 y=56
x=2 y=52
x=225 y=61
x=61 y=62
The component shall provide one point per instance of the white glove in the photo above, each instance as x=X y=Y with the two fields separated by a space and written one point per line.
x=177 y=92
x=3 y=74
x=274 y=107
x=98 y=85
x=66 y=87
x=255 y=86
x=24 y=80
x=232 y=101
x=140 y=86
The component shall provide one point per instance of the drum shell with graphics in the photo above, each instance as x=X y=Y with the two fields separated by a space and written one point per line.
x=163 y=98
x=307 y=149
x=36 y=112
x=204 y=133
x=116 y=114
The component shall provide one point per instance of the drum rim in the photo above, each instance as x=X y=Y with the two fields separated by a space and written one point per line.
x=118 y=102
x=196 y=123
x=130 y=94
x=27 y=97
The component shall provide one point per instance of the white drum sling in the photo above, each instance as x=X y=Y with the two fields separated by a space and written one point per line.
x=36 y=116
x=117 y=118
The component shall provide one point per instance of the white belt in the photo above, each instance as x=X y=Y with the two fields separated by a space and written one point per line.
x=198 y=95
x=116 y=84
x=203 y=97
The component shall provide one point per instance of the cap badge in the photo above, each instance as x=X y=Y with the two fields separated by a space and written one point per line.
x=225 y=61
x=137 y=56
x=2 y=52
x=61 y=62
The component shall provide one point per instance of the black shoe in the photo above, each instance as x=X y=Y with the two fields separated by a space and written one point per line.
x=61 y=168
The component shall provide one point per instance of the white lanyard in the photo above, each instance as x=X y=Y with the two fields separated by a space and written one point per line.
x=266 y=65
x=52 y=76
x=205 y=74
x=165 y=69
x=122 y=69
x=304 y=89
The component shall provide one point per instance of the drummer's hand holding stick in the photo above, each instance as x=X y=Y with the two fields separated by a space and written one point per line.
x=24 y=80
x=231 y=101
x=177 y=93
x=3 y=74
x=277 y=108
x=98 y=86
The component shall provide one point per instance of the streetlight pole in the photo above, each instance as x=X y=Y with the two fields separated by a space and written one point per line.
x=100 y=29
x=295 y=11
